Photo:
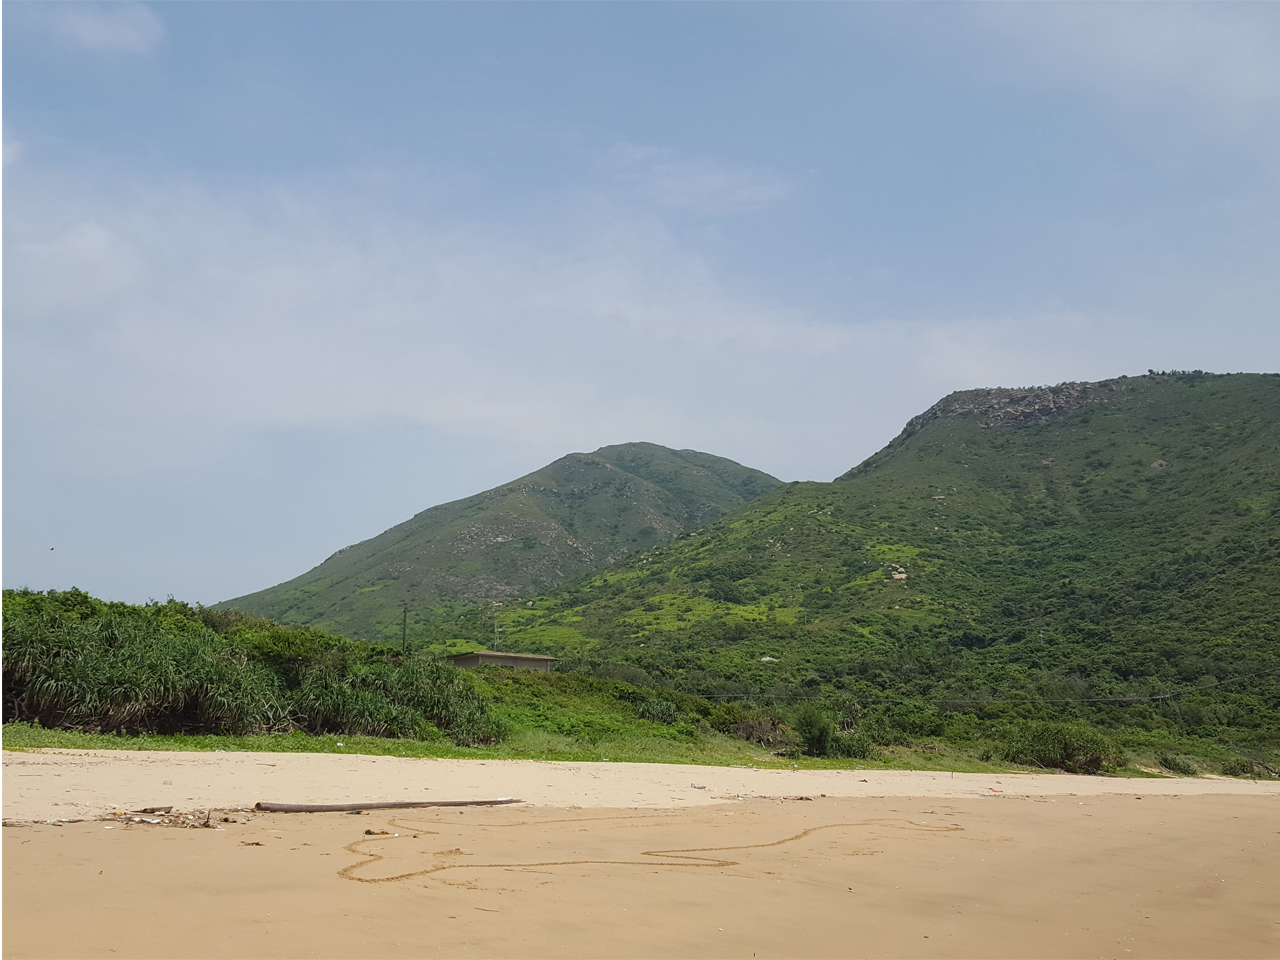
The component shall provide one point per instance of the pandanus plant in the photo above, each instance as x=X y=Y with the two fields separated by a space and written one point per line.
x=136 y=671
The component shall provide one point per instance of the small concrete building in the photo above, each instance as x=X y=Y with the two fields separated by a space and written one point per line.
x=507 y=661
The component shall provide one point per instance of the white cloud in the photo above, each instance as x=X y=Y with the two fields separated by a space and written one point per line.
x=101 y=27
x=1223 y=58
x=167 y=310
x=13 y=150
x=168 y=305
x=697 y=185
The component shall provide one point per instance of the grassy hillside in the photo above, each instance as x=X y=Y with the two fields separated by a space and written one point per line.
x=1108 y=552
x=583 y=512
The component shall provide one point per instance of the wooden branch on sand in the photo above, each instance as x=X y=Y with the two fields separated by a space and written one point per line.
x=268 y=807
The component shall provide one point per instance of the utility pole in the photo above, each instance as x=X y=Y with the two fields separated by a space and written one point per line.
x=404 y=630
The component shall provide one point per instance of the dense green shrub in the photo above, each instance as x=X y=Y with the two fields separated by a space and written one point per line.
x=850 y=744
x=447 y=698
x=814 y=728
x=624 y=672
x=885 y=735
x=725 y=716
x=657 y=710
x=71 y=661
x=132 y=674
x=1175 y=764
x=752 y=724
x=1065 y=746
x=1239 y=767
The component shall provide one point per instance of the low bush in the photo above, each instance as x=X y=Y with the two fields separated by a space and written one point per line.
x=885 y=735
x=1175 y=764
x=1239 y=767
x=850 y=744
x=767 y=731
x=725 y=716
x=1075 y=747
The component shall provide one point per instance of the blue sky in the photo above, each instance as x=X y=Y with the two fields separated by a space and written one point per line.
x=278 y=276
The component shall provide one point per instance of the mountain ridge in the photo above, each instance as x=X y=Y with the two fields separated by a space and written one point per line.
x=1007 y=407
x=528 y=535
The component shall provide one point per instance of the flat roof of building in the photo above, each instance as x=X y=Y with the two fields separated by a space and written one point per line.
x=501 y=653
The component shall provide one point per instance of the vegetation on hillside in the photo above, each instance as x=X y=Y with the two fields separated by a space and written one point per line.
x=79 y=671
x=583 y=512
x=82 y=673
x=1104 y=553
x=1075 y=577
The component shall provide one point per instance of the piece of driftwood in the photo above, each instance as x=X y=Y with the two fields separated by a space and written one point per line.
x=168 y=809
x=268 y=807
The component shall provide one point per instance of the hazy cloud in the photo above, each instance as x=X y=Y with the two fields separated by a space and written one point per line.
x=1220 y=57
x=101 y=27
x=13 y=150
x=279 y=309
x=170 y=305
x=697 y=185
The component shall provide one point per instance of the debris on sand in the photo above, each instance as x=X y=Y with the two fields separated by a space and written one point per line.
x=269 y=807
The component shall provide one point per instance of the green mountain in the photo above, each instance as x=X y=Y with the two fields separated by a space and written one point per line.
x=526 y=537
x=1105 y=549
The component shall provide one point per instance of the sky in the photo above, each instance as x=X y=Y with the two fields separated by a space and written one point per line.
x=279 y=276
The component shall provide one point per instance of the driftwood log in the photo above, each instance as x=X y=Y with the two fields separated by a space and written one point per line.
x=267 y=807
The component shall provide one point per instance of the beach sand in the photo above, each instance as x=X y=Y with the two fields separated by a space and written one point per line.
x=630 y=860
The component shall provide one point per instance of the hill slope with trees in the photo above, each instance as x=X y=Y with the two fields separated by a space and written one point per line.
x=580 y=513
x=1107 y=551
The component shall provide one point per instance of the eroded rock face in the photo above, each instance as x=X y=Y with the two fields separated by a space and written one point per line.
x=1006 y=408
x=1002 y=407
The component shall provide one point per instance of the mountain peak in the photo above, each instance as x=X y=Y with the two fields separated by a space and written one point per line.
x=525 y=537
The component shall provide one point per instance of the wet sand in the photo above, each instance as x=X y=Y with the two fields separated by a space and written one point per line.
x=934 y=869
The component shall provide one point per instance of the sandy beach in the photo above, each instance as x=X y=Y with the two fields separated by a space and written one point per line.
x=628 y=860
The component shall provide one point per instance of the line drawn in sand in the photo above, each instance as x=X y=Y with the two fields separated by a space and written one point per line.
x=677 y=857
